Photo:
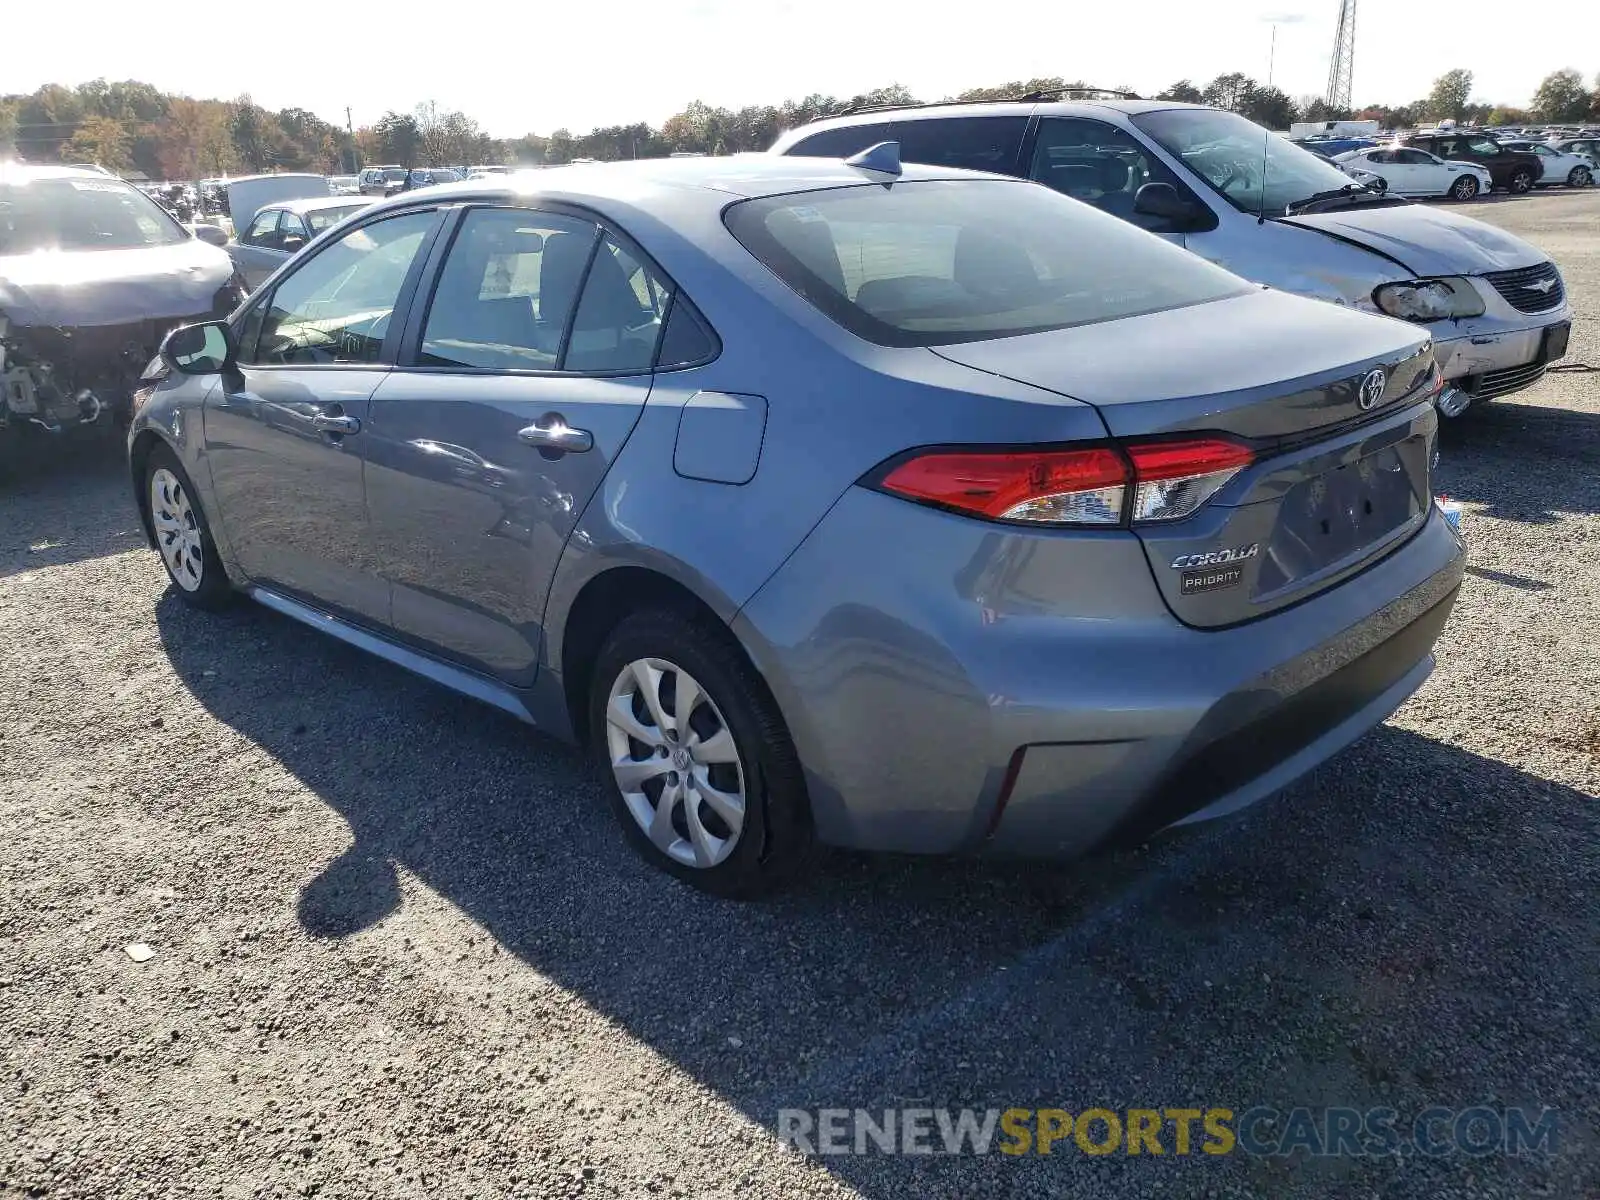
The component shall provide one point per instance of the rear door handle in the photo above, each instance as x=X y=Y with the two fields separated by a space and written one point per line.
x=328 y=424
x=551 y=432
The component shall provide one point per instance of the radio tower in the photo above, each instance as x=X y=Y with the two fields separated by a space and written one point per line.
x=1343 y=66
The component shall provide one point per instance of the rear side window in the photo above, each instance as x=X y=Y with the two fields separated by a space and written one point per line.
x=619 y=317
x=938 y=262
x=972 y=143
x=687 y=340
x=507 y=290
x=842 y=142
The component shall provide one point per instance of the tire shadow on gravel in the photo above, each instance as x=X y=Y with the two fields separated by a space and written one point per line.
x=1383 y=935
x=1523 y=462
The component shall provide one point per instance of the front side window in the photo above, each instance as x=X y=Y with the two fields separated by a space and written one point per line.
x=1101 y=165
x=336 y=308
x=507 y=289
x=1415 y=158
x=1480 y=146
x=70 y=213
x=263 y=229
x=1253 y=169
x=938 y=262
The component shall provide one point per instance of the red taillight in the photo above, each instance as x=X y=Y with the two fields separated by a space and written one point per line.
x=1168 y=479
x=1059 y=486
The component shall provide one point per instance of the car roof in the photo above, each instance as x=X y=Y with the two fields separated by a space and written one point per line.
x=705 y=182
x=305 y=204
x=992 y=108
x=19 y=172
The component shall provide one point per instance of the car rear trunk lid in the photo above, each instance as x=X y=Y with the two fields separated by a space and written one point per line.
x=1335 y=405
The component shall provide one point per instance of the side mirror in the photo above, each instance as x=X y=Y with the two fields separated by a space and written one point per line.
x=1163 y=200
x=203 y=349
x=212 y=235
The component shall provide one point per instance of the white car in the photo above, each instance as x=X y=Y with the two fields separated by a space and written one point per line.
x=1563 y=166
x=1407 y=171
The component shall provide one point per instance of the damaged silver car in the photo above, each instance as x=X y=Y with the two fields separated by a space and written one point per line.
x=93 y=274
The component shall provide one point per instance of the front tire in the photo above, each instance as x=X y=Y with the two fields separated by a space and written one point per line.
x=1579 y=177
x=1521 y=183
x=182 y=536
x=1465 y=188
x=695 y=758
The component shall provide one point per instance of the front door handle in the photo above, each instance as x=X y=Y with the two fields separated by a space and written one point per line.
x=339 y=425
x=551 y=432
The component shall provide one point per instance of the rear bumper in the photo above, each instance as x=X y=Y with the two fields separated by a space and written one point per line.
x=989 y=689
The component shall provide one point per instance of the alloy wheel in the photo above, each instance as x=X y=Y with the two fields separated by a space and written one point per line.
x=177 y=530
x=675 y=762
x=1521 y=182
x=1465 y=189
x=1579 y=177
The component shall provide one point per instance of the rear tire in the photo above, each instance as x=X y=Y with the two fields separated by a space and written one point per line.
x=715 y=795
x=1465 y=188
x=1579 y=177
x=1521 y=183
x=182 y=535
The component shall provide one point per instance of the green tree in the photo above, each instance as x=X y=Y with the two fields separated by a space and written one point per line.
x=102 y=140
x=1562 y=97
x=248 y=130
x=1449 y=96
x=398 y=137
x=1183 y=92
x=1269 y=107
x=1502 y=114
x=1231 y=91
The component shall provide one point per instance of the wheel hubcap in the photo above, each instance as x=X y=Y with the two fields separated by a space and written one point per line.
x=675 y=762
x=177 y=530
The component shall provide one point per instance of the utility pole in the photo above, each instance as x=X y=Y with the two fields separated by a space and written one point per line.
x=351 y=129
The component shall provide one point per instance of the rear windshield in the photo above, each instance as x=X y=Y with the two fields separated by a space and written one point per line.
x=937 y=262
x=81 y=213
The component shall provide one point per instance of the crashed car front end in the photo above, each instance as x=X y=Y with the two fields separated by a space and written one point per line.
x=93 y=275
x=61 y=377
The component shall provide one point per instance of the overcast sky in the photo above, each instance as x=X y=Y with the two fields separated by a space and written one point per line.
x=517 y=66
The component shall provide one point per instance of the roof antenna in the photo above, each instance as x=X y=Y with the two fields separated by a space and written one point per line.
x=883 y=158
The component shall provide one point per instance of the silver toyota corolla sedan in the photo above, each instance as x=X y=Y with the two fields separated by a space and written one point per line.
x=824 y=501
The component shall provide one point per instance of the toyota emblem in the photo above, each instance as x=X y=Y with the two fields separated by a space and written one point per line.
x=1371 y=390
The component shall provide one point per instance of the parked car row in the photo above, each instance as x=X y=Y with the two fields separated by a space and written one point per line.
x=543 y=439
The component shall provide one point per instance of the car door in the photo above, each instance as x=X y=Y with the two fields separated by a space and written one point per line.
x=257 y=253
x=284 y=427
x=1420 y=173
x=1105 y=166
x=521 y=379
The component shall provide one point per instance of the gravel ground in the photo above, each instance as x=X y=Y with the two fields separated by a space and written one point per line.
x=400 y=951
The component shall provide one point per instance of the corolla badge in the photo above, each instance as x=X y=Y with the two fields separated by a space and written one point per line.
x=1215 y=557
x=1371 y=389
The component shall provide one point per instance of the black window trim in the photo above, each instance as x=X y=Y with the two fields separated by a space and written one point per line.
x=402 y=307
x=408 y=355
